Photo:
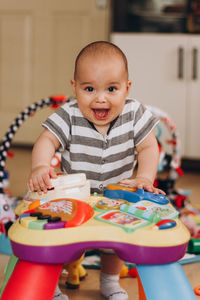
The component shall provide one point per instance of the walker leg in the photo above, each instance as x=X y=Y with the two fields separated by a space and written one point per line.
x=8 y=271
x=140 y=288
x=166 y=282
x=32 y=281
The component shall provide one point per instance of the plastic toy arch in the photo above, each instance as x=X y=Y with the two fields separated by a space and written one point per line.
x=53 y=101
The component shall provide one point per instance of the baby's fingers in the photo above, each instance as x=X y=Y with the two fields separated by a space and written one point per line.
x=47 y=181
x=158 y=191
x=146 y=187
x=39 y=185
x=36 y=186
x=127 y=182
x=30 y=185
x=42 y=184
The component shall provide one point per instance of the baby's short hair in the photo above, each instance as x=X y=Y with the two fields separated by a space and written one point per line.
x=103 y=48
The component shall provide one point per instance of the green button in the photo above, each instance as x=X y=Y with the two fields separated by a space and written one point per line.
x=38 y=224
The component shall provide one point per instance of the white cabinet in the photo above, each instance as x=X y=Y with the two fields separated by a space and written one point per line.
x=165 y=72
x=193 y=99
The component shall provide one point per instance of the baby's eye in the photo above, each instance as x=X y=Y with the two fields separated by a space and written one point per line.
x=89 y=89
x=111 y=89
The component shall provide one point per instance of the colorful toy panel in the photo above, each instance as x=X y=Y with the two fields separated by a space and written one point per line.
x=126 y=221
x=59 y=213
x=55 y=224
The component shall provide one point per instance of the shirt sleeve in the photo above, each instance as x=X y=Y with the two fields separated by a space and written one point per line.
x=59 y=124
x=144 y=123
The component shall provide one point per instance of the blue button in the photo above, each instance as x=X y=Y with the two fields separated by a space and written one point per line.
x=167 y=225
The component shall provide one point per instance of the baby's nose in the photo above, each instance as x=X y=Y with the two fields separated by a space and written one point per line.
x=100 y=97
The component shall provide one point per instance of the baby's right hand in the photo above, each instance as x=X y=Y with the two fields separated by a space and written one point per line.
x=39 y=179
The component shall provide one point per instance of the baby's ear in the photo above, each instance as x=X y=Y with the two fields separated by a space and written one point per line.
x=72 y=82
x=129 y=83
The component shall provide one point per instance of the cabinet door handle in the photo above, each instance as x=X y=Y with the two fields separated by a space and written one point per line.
x=180 y=62
x=194 y=63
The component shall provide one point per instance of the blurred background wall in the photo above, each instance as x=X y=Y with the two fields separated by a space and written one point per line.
x=39 y=40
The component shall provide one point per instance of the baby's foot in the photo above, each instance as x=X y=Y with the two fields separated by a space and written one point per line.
x=110 y=288
x=59 y=295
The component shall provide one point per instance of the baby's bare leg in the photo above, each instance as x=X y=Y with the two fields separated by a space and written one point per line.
x=111 y=263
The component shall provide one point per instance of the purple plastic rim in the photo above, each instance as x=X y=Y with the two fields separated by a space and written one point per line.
x=71 y=252
x=54 y=225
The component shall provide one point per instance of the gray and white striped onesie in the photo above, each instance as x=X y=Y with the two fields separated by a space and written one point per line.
x=104 y=159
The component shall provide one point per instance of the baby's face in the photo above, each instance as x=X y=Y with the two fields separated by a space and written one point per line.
x=101 y=87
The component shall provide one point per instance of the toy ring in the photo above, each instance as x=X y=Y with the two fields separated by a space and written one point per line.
x=197 y=290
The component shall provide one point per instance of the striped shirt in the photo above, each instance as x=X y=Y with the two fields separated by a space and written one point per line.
x=104 y=159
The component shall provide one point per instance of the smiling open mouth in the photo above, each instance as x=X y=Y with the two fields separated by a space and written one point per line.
x=101 y=113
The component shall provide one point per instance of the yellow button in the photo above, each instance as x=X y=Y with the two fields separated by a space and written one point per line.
x=26 y=220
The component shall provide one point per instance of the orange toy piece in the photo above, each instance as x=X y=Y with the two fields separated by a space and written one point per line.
x=121 y=187
x=197 y=290
x=76 y=273
x=124 y=271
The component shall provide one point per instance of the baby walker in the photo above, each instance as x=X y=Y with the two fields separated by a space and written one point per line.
x=142 y=228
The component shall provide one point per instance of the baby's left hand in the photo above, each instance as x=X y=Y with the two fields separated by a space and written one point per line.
x=142 y=183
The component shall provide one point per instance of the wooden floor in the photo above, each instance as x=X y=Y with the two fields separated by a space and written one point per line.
x=89 y=289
